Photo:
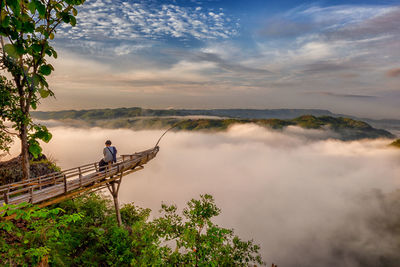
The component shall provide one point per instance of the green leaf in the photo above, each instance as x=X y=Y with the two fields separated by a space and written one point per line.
x=45 y=70
x=15 y=6
x=37 y=79
x=72 y=21
x=17 y=23
x=54 y=54
x=48 y=52
x=47 y=137
x=65 y=17
x=37 y=48
x=6 y=22
x=35 y=149
x=28 y=27
x=20 y=49
x=32 y=7
x=44 y=134
x=11 y=50
x=51 y=36
x=44 y=93
x=33 y=105
x=58 y=6
x=40 y=8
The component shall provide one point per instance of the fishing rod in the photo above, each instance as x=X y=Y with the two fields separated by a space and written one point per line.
x=172 y=127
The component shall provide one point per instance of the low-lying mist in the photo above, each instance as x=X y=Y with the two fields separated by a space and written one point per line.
x=308 y=200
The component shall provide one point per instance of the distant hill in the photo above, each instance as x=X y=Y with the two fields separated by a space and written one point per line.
x=118 y=113
x=396 y=143
x=138 y=118
x=98 y=114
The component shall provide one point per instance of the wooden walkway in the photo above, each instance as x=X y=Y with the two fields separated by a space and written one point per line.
x=57 y=186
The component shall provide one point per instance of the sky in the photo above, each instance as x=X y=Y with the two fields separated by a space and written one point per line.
x=343 y=56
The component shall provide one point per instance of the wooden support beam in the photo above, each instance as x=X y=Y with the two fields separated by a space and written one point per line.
x=120 y=181
x=114 y=190
x=116 y=203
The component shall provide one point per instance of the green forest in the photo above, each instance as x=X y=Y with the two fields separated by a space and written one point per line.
x=84 y=232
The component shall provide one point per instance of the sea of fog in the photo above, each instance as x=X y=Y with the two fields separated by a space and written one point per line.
x=306 y=198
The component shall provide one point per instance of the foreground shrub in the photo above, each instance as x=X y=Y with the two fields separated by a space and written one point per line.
x=84 y=232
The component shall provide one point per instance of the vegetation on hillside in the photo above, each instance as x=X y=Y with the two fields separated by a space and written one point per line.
x=396 y=143
x=107 y=113
x=84 y=232
x=346 y=128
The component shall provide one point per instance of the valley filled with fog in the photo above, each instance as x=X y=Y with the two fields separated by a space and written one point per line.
x=309 y=200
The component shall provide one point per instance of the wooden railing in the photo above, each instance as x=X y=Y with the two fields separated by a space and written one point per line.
x=38 y=189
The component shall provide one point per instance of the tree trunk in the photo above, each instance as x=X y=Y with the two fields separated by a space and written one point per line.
x=24 y=152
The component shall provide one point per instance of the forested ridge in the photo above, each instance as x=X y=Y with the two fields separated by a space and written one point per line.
x=108 y=113
x=142 y=119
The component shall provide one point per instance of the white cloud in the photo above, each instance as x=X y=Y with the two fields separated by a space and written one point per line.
x=99 y=20
x=342 y=15
x=303 y=200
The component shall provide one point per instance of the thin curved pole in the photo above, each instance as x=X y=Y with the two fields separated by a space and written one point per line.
x=172 y=127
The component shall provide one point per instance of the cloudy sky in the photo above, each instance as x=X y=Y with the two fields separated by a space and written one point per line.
x=338 y=55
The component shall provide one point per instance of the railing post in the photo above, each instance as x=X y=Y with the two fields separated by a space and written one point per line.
x=40 y=183
x=31 y=193
x=80 y=176
x=65 y=184
x=95 y=166
x=109 y=167
x=6 y=197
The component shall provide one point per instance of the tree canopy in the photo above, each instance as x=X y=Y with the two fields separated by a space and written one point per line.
x=84 y=232
x=26 y=28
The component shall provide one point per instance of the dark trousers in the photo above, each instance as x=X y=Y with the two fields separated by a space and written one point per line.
x=102 y=165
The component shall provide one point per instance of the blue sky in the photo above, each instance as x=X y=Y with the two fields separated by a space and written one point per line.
x=338 y=55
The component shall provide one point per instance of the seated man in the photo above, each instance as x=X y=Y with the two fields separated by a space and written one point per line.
x=110 y=156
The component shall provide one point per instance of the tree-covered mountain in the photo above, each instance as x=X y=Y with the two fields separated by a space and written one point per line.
x=96 y=114
x=117 y=113
x=140 y=119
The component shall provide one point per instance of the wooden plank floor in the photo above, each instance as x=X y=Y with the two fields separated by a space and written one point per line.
x=40 y=189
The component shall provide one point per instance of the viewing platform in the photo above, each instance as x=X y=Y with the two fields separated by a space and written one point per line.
x=58 y=186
